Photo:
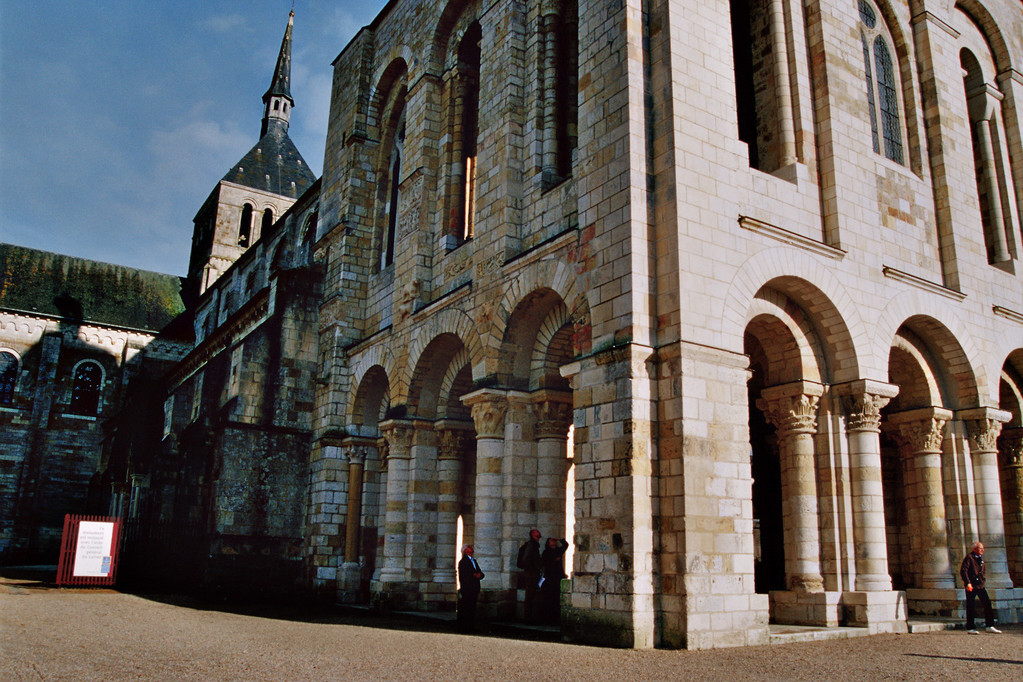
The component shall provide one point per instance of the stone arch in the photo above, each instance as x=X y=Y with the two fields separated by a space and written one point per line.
x=391 y=72
x=559 y=278
x=934 y=318
x=457 y=382
x=989 y=28
x=811 y=285
x=379 y=357
x=553 y=347
x=452 y=23
x=800 y=355
x=452 y=321
x=371 y=401
x=1010 y=393
x=958 y=370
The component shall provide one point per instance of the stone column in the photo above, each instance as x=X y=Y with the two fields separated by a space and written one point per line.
x=553 y=411
x=488 y=411
x=451 y=441
x=862 y=402
x=921 y=433
x=1010 y=464
x=356 y=456
x=983 y=426
x=792 y=408
x=398 y=434
x=983 y=106
x=350 y=573
x=782 y=87
x=549 y=66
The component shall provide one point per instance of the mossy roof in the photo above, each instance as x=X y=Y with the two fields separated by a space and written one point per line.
x=87 y=291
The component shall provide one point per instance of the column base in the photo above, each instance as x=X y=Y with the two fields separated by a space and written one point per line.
x=349 y=583
x=806 y=608
x=879 y=612
x=938 y=602
x=1007 y=603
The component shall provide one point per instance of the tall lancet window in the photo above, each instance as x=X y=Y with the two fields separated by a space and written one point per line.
x=467 y=86
x=393 y=189
x=983 y=102
x=882 y=83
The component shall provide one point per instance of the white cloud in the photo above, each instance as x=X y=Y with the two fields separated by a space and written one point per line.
x=226 y=23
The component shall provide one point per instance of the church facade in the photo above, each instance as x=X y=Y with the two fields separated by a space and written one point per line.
x=727 y=294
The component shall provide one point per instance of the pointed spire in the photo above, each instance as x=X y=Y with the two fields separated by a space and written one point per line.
x=278 y=101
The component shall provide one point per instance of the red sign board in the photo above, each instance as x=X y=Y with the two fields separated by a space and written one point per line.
x=88 y=550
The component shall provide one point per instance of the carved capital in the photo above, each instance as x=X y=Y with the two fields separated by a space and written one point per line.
x=922 y=430
x=451 y=442
x=983 y=426
x=792 y=408
x=863 y=411
x=398 y=433
x=489 y=407
x=862 y=402
x=553 y=411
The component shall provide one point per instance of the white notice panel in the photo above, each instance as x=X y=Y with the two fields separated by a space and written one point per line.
x=92 y=551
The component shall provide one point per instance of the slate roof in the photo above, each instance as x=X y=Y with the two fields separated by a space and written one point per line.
x=272 y=165
x=82 y=290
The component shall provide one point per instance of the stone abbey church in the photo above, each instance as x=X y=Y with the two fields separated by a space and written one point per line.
x=729 y=294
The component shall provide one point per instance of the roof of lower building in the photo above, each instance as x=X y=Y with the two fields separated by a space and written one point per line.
x=81 y=290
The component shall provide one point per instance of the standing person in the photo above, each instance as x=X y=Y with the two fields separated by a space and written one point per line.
x=529 y=562
x=972 y=573
x=553 y=561
x=469 y=576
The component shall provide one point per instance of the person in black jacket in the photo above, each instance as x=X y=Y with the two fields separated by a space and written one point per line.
x=529 y=562
x=469 y=577
x=553 y=562
x=972 y=573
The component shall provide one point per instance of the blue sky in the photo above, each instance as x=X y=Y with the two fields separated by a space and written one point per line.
x=117 y=118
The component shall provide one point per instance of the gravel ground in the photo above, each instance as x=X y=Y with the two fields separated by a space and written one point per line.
x=77 y=634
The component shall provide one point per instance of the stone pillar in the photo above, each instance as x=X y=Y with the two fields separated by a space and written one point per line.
x=982 y=427
x=398 y=434
x=553 y=410
x=451 y=444
x=862 y=402
x=489 y=407
x=792 y=408
x=1010 y=464
x=921 y=433
x=350 y=573
x=782 y=87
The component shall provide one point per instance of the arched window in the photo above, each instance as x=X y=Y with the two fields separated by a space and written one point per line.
x=9 y=366
x=394 y=190
x=268 y=221
x=468 y=96
x=245 y=227
x=882 y=83
x=85 y=388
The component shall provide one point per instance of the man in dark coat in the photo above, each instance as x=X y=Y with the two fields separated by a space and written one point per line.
x=972 y=573
x=469 y=577
x=553 y=562
x=529 y=562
